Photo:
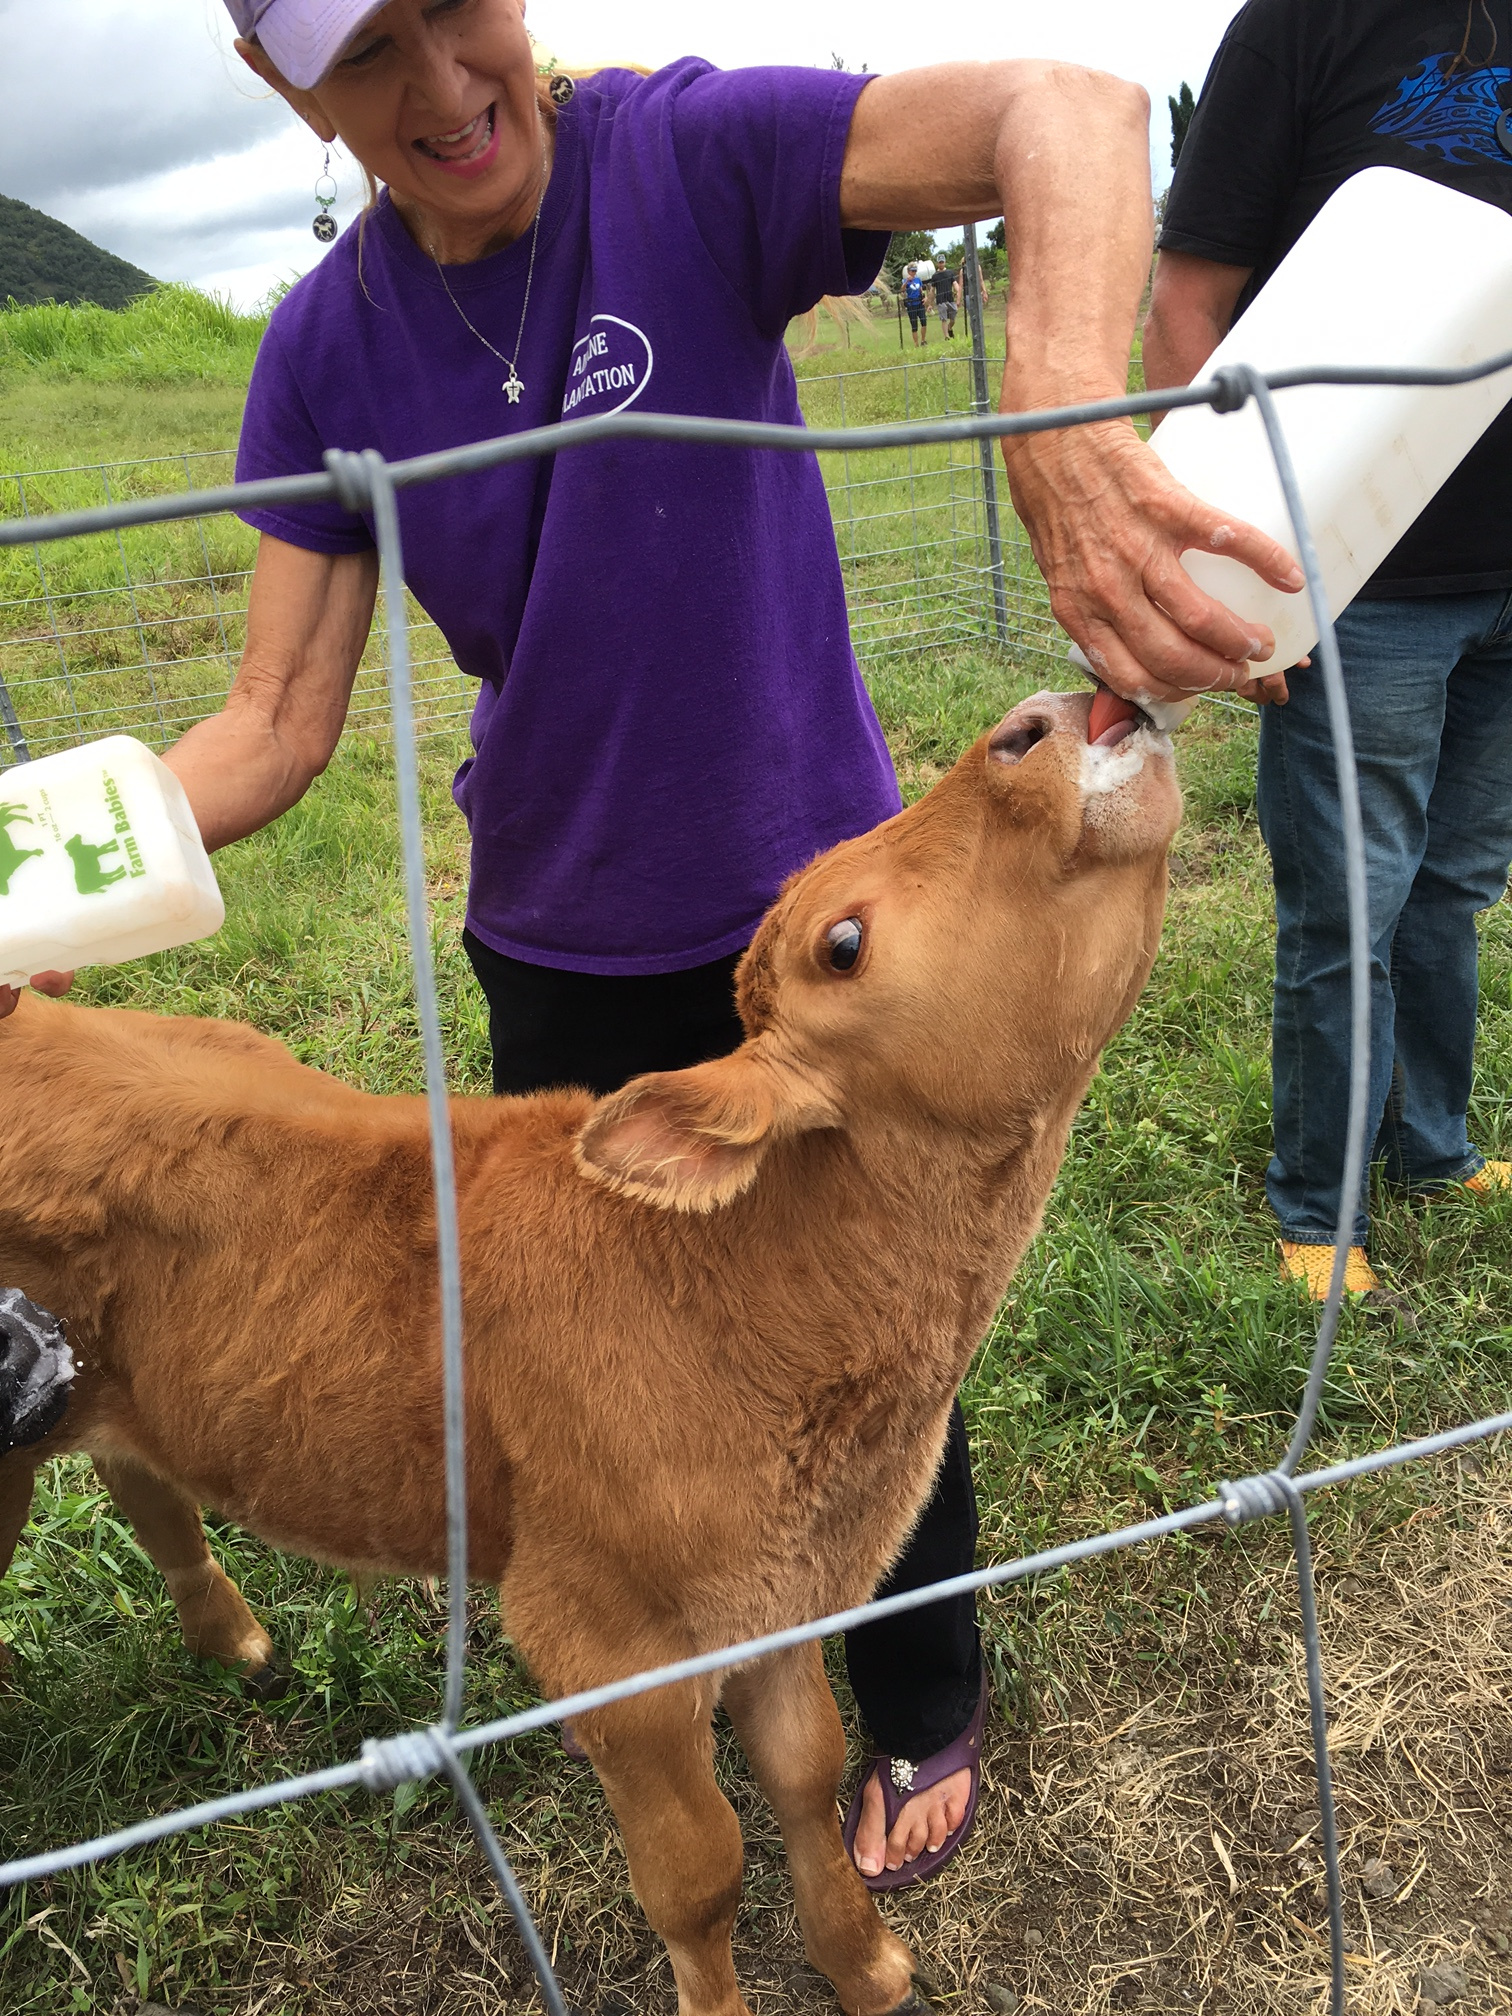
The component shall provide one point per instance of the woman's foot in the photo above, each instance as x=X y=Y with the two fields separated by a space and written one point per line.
x=907 y=1820
x=926 y=1822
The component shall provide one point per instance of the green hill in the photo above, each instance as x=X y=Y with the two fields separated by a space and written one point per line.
x=43 y=260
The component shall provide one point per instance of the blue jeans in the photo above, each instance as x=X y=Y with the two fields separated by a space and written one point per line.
x=1430 y=697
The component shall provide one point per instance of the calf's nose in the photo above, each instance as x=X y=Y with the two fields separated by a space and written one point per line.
x=1041 y=715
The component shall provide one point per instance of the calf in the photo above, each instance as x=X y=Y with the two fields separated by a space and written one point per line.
x=714 y=1321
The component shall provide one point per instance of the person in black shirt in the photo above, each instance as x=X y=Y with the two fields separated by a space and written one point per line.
x=1303 y=94
x=946 y=297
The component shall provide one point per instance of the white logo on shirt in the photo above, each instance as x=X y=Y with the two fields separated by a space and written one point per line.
x=610 y=368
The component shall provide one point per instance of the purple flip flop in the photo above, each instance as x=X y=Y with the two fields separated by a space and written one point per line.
x=900 y=1780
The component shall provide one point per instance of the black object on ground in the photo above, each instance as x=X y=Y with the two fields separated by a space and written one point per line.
x=36 y=1370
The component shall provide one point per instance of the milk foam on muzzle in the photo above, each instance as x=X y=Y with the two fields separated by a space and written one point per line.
x=1105 y=770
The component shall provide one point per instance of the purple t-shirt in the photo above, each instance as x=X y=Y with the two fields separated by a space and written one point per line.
x=671 y=718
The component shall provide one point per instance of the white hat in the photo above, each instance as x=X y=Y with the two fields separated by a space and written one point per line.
x=303 y=37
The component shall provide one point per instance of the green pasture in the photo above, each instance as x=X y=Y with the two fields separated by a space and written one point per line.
x=142 y=631
x=1145 y=1350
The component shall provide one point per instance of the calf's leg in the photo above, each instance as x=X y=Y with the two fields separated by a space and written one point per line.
x=789 y=1727
x=655 y=1758
x=212 y=1613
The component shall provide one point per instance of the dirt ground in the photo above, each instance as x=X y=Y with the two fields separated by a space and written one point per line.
x=1151 y=1844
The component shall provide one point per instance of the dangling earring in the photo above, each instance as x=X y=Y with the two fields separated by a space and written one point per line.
x=324 y=225
x=559 y=89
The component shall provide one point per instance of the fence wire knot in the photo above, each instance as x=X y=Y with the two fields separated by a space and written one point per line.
x=351 y=471
x=392 y=1761
x=1256 y=1497
x=1232 y=384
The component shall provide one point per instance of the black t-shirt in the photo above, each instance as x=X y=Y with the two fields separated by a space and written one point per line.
x=944 y=285
x=1302 y=95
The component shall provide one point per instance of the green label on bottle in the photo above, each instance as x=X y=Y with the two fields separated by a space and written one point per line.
x=13 y=855
x=97 y=865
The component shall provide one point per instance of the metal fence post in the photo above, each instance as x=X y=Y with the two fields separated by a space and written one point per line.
x=971 y=283
x=19 y=751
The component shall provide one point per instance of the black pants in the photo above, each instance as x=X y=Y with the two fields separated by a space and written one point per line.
x=916 y=1676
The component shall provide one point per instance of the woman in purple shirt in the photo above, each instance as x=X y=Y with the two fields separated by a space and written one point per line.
x=670 y=718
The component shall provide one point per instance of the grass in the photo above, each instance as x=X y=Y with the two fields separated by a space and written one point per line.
x=174 y=335
x=142 y=632
x=1146 y=1704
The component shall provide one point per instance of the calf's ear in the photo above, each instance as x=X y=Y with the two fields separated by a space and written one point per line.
x=691 y=1140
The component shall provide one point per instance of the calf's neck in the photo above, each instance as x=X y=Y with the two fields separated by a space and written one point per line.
x=713 y=1321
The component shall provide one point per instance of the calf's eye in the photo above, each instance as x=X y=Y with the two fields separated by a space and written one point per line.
x=842 y=943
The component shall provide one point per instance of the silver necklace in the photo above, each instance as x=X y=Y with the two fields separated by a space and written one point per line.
x=514 y=384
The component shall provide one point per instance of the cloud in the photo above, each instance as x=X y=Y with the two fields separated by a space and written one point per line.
x=146 y=87
x=138 y=125
x=156 y=142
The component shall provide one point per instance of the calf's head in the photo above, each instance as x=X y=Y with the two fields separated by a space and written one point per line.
x=955 y=971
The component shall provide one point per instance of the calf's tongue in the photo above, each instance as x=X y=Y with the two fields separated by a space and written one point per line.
x=1109 y=711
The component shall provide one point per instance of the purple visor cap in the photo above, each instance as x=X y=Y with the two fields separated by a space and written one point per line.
x=303 y=37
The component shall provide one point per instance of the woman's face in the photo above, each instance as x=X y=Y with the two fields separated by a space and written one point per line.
x=436 y=98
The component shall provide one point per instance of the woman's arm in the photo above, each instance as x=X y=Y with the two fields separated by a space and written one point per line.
x=1064 y=153
x=308 y=616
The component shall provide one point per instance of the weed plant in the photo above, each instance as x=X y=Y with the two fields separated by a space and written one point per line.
x=174 y=335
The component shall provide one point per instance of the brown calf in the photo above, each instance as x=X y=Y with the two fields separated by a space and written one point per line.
x=714 y=1322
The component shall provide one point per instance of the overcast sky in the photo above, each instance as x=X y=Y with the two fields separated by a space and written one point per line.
x=139 y=126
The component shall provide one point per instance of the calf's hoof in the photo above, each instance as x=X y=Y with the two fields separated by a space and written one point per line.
x=258 y=1680
x=919 y=2000
x=266 y=1682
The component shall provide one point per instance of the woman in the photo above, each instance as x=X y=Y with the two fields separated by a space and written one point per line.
x=670 y=717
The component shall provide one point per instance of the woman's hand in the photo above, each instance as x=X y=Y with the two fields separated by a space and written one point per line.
x=1108 y=524
x=308 y=617
x=1064 y=153
x=45 y=983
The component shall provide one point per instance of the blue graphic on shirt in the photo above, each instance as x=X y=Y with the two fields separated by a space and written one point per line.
x=1452 y=117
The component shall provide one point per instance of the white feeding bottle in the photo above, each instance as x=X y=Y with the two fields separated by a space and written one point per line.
x=1393 y=271
x=100 y=861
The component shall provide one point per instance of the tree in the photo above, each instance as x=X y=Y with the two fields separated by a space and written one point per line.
x=1182 y=108
x=906 y=246
x=992 y=253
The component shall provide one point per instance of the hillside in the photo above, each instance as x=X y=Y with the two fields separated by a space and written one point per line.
x=43 y=260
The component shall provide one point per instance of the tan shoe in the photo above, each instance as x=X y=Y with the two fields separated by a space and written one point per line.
x=1489 y=1178
x=1312 y=1266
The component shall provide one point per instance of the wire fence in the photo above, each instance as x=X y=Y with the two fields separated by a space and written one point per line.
x=366 y=482
x=140 y=632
